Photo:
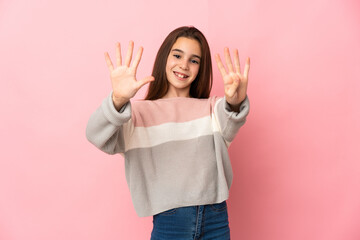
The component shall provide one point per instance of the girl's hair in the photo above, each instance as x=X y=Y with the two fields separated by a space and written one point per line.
x=201 y=86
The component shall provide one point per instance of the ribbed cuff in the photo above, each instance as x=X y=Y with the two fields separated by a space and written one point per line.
x=116 y=117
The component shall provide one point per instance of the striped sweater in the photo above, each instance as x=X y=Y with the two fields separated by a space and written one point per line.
x=175 y=149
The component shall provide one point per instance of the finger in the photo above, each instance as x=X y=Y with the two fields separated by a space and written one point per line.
x=108 y=62
x=137 y=59
x=118 y=54
x=228 y=60
x=144 y=81
x=247 y=68
x=220 y=65
x=233 y=88
x=129 y=54
x=237 y=61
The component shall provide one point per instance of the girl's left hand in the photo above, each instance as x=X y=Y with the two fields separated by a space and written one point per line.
x=235 y=82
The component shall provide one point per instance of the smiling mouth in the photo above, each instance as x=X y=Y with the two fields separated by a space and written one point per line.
x=180 y=75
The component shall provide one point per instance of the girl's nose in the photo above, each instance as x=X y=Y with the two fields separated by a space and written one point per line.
x=184 y=64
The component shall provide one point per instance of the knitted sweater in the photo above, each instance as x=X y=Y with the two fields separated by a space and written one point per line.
x=175 y=149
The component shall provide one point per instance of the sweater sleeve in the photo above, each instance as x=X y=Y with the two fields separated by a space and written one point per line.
x=107 y=128
x=229 y=121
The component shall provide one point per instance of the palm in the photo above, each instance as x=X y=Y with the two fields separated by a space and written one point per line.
x=123 y=82
x=235 y=83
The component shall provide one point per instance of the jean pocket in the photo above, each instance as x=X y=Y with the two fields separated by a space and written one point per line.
x=219 y=207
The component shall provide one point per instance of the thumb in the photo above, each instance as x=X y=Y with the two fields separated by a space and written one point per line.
x=234 y=86
x=144 y=81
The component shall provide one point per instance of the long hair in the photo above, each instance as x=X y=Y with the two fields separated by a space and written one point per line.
x=201 y=86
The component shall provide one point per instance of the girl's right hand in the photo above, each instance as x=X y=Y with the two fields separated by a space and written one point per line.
x=123 y=77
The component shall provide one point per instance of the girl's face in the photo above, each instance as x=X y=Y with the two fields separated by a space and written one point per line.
x=182 y=66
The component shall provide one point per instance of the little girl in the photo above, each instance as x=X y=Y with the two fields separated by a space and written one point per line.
x=175 y=141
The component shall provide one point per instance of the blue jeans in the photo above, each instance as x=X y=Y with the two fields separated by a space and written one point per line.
x=202 y=222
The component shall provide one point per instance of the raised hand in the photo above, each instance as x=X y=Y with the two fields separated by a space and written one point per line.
x=235 y=82
x=123 y=76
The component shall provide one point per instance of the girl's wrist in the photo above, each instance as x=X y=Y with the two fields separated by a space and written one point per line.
x=119 y=102
x=235 y=108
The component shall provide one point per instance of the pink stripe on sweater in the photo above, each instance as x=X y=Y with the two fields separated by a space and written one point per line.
x=151 y=113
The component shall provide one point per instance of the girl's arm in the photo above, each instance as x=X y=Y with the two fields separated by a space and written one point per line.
x=232 y=110
x=109 y=128
x=110 y=125
x=228 y=120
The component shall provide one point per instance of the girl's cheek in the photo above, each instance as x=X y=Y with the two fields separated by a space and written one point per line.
x=173 y=61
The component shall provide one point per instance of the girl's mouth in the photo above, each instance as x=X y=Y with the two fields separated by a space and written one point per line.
x=180 y=75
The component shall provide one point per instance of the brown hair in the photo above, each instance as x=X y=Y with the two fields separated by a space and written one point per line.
x=201 y=86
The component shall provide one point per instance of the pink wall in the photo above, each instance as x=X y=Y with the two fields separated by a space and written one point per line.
x=296 y=161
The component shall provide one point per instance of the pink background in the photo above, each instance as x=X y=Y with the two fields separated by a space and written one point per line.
x=296 y=161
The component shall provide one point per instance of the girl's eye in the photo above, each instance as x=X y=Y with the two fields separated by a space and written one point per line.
x=176 y=55
x=194 y=61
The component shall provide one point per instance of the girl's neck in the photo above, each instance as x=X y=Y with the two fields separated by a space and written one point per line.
x=173 y=93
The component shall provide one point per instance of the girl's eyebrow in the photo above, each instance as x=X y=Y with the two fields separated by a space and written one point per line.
x=179 y=50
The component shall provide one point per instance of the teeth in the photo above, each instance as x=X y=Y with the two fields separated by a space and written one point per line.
x=180 y=75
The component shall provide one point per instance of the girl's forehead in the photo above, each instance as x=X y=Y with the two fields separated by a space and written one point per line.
x=187 y=45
